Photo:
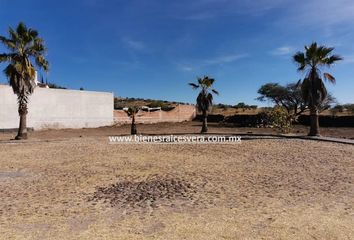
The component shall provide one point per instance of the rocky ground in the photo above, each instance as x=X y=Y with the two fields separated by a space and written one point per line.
x=85 y=188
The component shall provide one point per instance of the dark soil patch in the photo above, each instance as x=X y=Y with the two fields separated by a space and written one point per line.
x=151 y=192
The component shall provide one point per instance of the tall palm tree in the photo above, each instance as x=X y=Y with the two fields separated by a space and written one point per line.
x=205 y=98
x=25 y=47
x=132 y=112
x=313 y=88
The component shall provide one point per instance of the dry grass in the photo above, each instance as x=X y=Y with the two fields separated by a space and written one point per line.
x=172 y=128
x=270 y=189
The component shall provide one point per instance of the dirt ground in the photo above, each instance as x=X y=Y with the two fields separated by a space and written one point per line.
x=172 y=128
x=59 y=185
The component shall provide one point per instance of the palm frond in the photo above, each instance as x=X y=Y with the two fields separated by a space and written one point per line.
x=322 y=91
x=306 y=90
x=311 y=51
x=300 y=59
x=329 y=78
x=4 y=58
x=200 y=81
x=332 y=59
x=210 y=98
x=13 y=35
x=214 y=91
x=194 y=86
x=33 y=33
x=211 y=81
x=42 y=63
x=21 y=29
x=298 y=84
x=20 y=81
x=322 y=52
x=36 y=47
x=8 y=43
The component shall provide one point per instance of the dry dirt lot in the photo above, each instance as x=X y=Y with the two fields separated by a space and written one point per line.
x=172 y=128
x=84 y=188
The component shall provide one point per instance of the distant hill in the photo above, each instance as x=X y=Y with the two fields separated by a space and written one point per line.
x=120 y=103
x=219 y=109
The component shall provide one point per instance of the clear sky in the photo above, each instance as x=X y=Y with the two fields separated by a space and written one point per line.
x=153 y=48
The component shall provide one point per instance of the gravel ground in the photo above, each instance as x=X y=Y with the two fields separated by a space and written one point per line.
x=85 y=188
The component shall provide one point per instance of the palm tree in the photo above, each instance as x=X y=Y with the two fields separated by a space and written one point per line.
x=313 y=89
x=25 y=47
x=132 y=111
x=205 y=98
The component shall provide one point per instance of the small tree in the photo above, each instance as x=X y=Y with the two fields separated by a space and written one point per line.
x=240 y=105
x=205 y=98
x=290 y=98
x=132 y=112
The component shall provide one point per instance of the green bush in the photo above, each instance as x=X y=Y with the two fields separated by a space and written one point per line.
x=157 y=104
x=280 y=119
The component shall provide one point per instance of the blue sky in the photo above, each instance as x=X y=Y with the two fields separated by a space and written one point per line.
x=153 y=48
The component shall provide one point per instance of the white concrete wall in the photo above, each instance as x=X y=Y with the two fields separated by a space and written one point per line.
x=58 y=108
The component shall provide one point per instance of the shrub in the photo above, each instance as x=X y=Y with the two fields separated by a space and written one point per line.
x=280 y=119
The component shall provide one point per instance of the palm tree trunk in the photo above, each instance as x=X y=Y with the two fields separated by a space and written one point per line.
x=314 y=122
x=22 y=128
x=205 y=122
x=133 y=127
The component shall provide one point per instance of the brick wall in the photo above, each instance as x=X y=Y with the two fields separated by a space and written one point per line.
x=180 y=113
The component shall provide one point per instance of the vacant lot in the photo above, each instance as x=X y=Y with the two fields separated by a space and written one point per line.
x=173 y=128
x=85 y=188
